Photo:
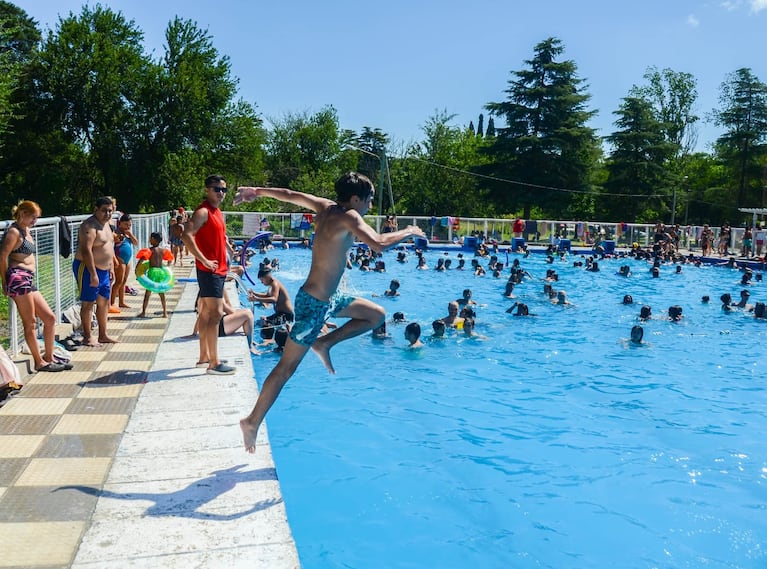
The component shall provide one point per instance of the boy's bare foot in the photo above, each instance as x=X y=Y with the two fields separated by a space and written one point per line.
x=248 y=436
x=164 y=314
x=323 y=352
x=107 y=340
x=124 y=305
x=91 y=343
x=142 y=315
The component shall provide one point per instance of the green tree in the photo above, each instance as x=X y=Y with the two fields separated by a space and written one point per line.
x=672 y=95
x=435 y=176
x=742 y=149
x=303 y=151
x=187 y=122
x=19 y=37
x=91 y=76
x=490 y=132
x=545 y=145
x=707 y=199
x=637 y=166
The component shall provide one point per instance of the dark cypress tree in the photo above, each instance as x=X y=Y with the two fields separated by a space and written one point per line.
x=490 y=132
x=480 y=124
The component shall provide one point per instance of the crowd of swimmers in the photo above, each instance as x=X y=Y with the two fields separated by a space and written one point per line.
x=489 y=260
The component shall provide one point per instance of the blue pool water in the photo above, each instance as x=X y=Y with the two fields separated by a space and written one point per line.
x=551 y=443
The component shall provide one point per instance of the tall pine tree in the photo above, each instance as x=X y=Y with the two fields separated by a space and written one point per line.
x=546 y=145
x=637 y=167
x=742 y=148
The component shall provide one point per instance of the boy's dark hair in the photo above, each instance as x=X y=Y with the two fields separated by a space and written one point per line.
x=353 y=184
x=759 y=309
x=126 y=217
x=103 y=200
x=212 y=179
x=156 y=236
x=413 y=328
x=262 y=272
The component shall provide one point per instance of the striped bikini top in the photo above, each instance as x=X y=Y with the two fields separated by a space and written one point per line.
x=27 y=247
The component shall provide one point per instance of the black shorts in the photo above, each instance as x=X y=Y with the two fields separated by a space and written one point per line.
x=211 y=284
x=278 y=318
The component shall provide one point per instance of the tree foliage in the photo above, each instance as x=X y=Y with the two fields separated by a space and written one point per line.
x=436 y=173
x=742 y=149
x=672 y=95
x=86 y=111
x=637 y=182
x=545 y=144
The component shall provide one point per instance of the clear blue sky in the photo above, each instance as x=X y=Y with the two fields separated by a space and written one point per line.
x=391 y=65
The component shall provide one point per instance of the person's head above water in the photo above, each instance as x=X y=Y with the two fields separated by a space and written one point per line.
x=637 y=333
x=439 y=327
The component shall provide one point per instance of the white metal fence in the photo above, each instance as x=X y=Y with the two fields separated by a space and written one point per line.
x=53 y=273
x=55 y=280
x=446 y=228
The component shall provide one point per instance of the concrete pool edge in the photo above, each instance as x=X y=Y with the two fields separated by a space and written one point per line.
x=181 y=491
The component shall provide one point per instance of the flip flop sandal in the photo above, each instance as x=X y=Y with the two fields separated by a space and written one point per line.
x=52 y=367
x=69 y=344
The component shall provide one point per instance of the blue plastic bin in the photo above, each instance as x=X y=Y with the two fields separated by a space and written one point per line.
x=469 y=243
x=517 y=243
x=609 y=247
x=564 y=245
x=421 y=243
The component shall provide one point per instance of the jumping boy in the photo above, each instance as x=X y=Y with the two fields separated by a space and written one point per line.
x=337 y=224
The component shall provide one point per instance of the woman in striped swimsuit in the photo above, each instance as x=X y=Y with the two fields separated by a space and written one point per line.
x=17 y=268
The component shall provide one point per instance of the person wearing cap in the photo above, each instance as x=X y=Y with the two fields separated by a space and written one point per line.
x=277 y=295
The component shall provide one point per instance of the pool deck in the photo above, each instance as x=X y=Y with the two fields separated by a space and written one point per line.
x=134 y=458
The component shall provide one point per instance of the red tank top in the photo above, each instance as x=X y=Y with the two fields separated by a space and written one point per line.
x=211 y=239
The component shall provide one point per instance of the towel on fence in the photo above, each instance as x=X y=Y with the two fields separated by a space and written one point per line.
x=295 y=220
x=306 y=221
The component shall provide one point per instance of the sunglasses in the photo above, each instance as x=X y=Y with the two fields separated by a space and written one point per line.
x=219 y=189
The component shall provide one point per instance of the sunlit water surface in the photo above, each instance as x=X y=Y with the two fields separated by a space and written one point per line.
x=551 y=442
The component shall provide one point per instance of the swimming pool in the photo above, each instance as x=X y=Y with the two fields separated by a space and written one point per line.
x=551 y=443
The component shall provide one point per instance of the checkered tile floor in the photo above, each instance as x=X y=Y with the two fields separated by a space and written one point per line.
x=134 y=458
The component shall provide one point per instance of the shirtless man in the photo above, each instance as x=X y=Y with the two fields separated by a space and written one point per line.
x=452 y=320
x=275 y=294
x=337 y=224
x=94 y=270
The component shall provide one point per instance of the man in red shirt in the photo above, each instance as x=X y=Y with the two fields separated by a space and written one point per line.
x=518 y=227
x=205 y=238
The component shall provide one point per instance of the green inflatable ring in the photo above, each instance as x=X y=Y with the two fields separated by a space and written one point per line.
x=157 y=279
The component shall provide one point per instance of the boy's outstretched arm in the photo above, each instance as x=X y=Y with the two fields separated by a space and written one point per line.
x=308 y=201
x=378 y=241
